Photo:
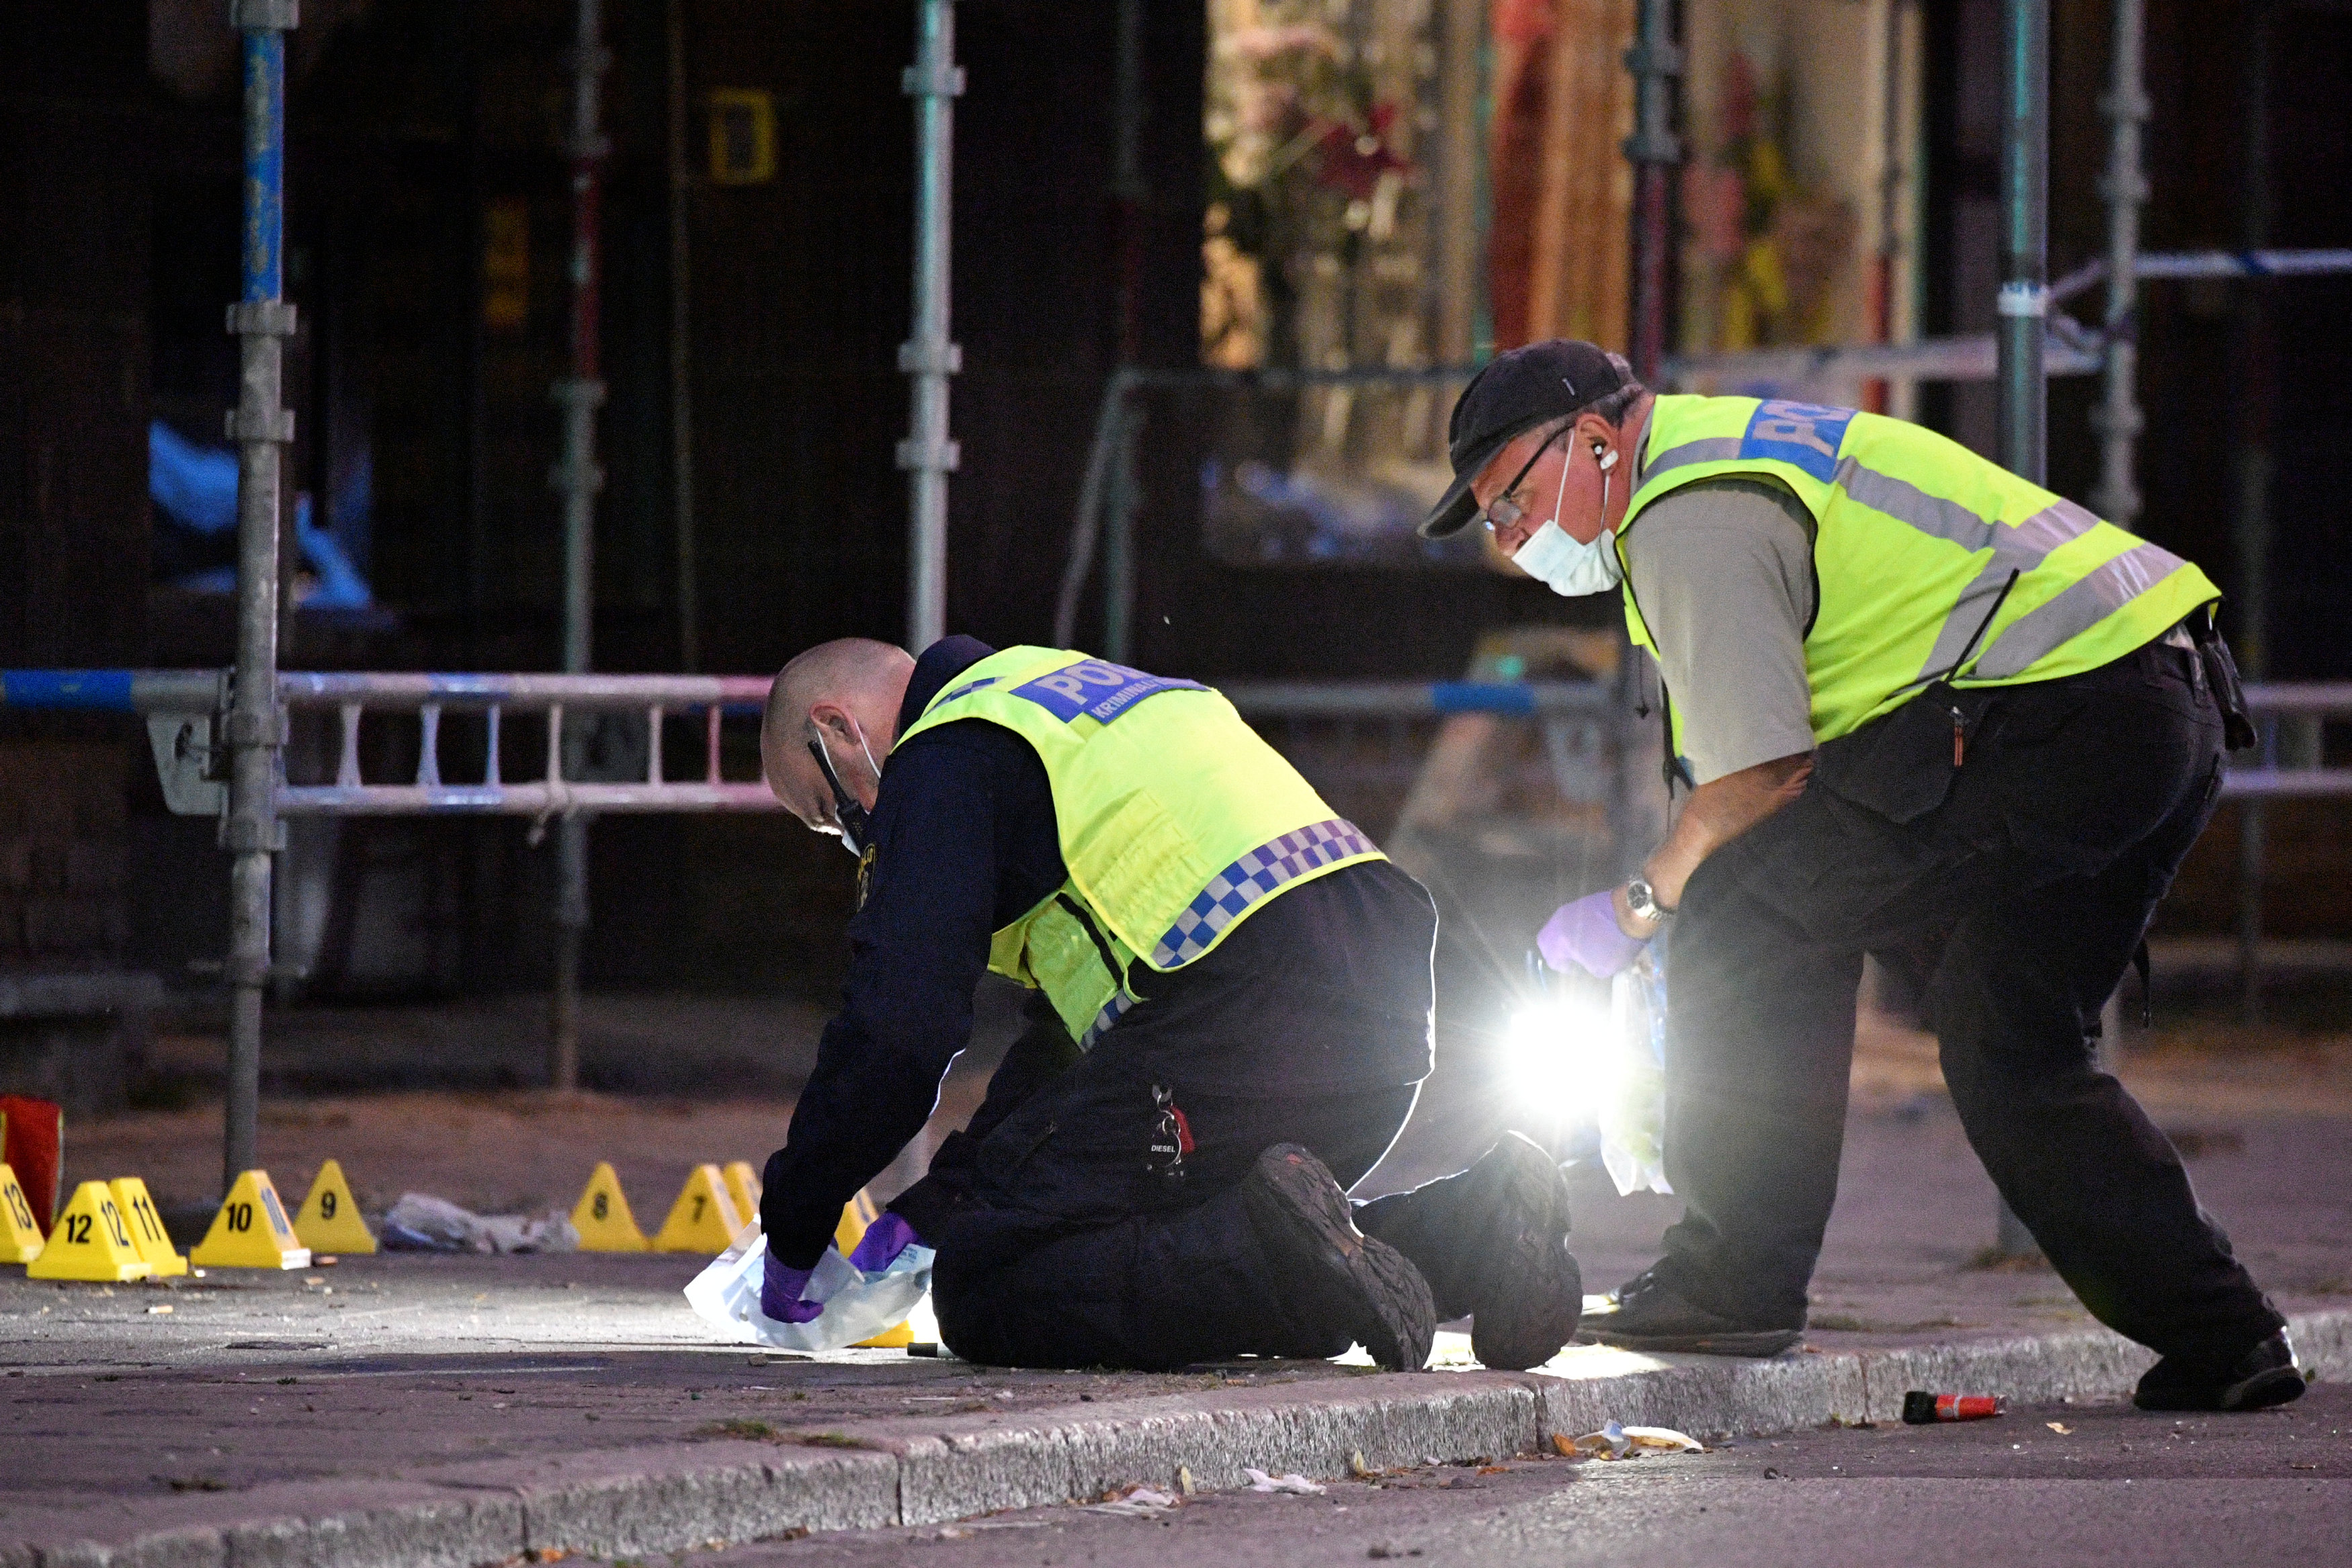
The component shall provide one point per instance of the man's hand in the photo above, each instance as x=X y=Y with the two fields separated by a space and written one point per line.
x=1587 y=934
x=888 y=1236
x=780 y=1294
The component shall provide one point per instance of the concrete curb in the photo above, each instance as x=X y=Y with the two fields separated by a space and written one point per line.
x=680 y=1496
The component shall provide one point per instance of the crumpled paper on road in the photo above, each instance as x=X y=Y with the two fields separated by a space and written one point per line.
x=1144 y=1502
x=1617 y=1442
x=1299 y=1485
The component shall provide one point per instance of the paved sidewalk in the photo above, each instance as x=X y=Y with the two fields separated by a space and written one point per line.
x=459 y=1410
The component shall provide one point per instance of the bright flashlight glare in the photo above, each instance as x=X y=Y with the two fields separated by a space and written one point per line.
x=1559 y=1062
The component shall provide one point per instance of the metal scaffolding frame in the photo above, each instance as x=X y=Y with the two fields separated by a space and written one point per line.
x=2023 y=307
x=578 y=478
x=219 y=736
x=261 y=427
x=930 y=356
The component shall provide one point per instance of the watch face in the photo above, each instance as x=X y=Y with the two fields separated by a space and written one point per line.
x=1642 y=899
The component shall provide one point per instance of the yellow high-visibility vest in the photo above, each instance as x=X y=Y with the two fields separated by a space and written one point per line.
x=1176 y=822
x=1930 y=560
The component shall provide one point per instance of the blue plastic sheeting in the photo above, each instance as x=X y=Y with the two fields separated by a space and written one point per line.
x=1482 y=696
x=197 y=487
x=107 y=691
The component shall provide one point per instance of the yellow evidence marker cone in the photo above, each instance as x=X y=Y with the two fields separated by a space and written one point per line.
x=146 y=1226
x=329 y=1220
x=703 y=1219
x=20 y=1239
x=603 y=1217
x=743 y=1189
x=91 y=1241
x=856 y=1215
x=251 y=1230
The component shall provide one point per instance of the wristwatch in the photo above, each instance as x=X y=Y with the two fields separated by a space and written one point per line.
x=1643 y=899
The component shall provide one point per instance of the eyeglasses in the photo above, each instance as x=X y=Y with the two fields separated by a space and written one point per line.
x=1502 y=512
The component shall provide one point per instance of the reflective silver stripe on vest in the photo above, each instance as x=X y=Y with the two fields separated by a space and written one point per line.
x=1256 y=875
x=1113 y=1010
x=1712 y=449
x=2049 y=627
x=2018 y=549
x=1906 y=503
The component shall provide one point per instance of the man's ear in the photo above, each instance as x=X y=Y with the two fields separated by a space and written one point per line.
x=1592 y=431
x=833 y=716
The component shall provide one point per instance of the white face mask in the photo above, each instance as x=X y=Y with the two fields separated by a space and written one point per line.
x=1564 y=566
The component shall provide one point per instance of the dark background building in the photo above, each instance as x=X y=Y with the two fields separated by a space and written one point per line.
x=428 y=222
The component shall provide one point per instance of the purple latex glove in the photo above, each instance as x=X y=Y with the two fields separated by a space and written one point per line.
x=780 y=1294
x=1586 y=934
x=883 y=1239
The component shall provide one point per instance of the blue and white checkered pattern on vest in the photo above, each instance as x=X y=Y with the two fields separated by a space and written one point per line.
x=1112 y=1011
x=1256 y=875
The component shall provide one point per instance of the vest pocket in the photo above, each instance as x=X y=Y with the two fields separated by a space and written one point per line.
x=1901 y=766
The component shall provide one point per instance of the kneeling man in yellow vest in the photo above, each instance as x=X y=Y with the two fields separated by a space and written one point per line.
x=1229 y=1024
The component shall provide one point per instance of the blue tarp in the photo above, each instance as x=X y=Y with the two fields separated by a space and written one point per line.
x=196 y=487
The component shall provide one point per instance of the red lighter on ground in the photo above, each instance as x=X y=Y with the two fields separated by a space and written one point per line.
x=1921 y=1409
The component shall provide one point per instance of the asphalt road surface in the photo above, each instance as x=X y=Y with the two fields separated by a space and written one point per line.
x=2115 y=1486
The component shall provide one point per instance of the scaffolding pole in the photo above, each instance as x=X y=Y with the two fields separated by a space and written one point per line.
x=1130 y=191
x=2116 y=417
x=681 y=357
x=928 y=356
x=2023 y=302
x=2125 y=186
x=577 y=478
x=2249 y=527
x=1654 y=150
x=260 y=426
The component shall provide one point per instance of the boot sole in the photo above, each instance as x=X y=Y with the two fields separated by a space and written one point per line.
x=2273 y=1385
x=1750 y=1343
x=1297 y=1208
x=1528 y=1309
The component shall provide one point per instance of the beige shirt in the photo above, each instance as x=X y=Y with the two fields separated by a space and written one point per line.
x=1722 y=571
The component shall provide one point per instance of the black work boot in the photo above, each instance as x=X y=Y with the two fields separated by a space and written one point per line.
x=1334 y=1276
x=1492 y=1243
x=1644 y=1313
x=2263 y=1376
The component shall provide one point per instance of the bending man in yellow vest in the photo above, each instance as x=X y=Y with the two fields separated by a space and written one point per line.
x=1230 y=1020
x=1935 y=713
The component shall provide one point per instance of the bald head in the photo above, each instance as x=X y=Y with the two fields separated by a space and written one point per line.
x=846 y=692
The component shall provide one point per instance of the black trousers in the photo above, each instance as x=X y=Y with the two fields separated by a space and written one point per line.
x=2020 y=900
x=1068 y=1235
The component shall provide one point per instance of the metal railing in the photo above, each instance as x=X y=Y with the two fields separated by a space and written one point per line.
x=2289 y=758
x=548 y=697
x=184 y=711
x=2289 y=762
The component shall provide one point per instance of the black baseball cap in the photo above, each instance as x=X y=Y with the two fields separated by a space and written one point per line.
x=1514 y=392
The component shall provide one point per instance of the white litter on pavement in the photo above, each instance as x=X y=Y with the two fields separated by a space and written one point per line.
x=420 y=1222
x=1144 y=1502
x=1298 y=1485
x=1616 y=1442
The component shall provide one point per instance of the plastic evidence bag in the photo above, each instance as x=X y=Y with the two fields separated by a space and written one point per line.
x=1633 y=1110
x=857 y=1305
